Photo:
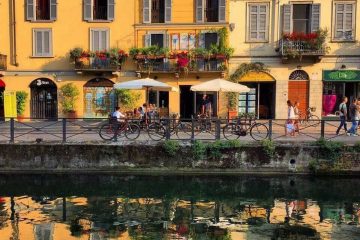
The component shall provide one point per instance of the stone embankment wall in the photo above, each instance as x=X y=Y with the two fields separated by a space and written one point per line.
x=195 y=158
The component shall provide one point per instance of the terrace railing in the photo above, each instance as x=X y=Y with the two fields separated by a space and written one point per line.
x=86 y=130
x=96 y=64
x=289 y=48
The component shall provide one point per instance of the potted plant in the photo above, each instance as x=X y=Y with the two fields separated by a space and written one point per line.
x=76 y=55
x=69 y=93
x=21 y=97
x=232 y=105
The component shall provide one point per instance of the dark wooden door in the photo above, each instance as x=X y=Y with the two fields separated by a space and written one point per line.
x=157 y=11
x=43 y=99
x=212 y=10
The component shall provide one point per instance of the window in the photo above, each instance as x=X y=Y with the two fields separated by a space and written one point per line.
x=157 y=11
x=40 y=10
x=258 y=22
x=247 y=101
x=42 y=42
x=210 y=10
x=208 y=39
x=301 y=18
x=155 y=39
x=99 y=10
x=344 y=21
x=99 y=39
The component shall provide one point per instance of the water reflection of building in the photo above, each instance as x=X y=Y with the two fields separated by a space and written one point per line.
x=132 y=218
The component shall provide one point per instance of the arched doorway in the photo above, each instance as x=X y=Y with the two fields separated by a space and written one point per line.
x=2 y=89
x=99 y=98
x=260 y=100
x=299 y=89
x=43 y=99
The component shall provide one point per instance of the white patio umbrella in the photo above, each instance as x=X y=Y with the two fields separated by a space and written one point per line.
x=145 y=84
x=219 y=85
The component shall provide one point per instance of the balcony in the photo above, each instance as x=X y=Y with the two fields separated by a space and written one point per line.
x=3 y=62
x=174 y=65
x=103 y=61
x=299 y=46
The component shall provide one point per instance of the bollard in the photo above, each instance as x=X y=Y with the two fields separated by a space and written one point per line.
x=167 y=134
x=64 y=130
x=12 y=130
x=322 y=128
x=218 y=127
x=270 y=129
x=192 y=129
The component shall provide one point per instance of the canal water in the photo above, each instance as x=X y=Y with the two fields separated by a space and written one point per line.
x=95 y=207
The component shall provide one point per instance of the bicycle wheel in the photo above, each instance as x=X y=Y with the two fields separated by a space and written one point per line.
x=132 y=131
x=107 y=132
x=313 y=120
x=183 y=129
x=231 y=131
x=156 y=131
x=259 y=131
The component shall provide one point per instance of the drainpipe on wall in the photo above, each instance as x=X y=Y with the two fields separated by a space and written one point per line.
x=13 y=34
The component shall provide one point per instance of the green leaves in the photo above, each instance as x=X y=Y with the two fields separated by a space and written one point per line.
x=21 y=97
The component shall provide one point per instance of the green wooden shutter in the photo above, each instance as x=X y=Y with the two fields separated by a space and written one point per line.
x=199 y=11
x=88 y=9
x=53 y=9
x=222 y=10
x=168 y=4
x=146 y=11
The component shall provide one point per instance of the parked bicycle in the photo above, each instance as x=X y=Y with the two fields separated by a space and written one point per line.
x=243 y=126
x=113 y=129
x=309 y=119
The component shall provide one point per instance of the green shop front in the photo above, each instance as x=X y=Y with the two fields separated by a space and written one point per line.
x=337 y=84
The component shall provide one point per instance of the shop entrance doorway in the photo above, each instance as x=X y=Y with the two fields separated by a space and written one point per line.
x=186 y=102
x=43 y=99
x=299 y=89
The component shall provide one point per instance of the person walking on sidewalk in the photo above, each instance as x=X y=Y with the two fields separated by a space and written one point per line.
x=343 y=115
x=355 y=116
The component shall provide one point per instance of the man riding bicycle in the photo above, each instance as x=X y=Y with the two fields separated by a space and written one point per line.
x=118 y=117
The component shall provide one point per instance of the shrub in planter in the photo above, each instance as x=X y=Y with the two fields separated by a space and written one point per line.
x=21 y=97
x=69 y=93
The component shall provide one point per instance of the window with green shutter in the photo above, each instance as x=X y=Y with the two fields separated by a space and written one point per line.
x=99 y=39
x=344 y=21
x=99 y=10
x=41 y=10
x=300 y=18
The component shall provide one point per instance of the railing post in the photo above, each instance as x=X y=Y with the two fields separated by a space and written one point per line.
x=322 y=131
x=12 y=130
x=192 y=129
x=217 y=129
x=270 y=129
x=64 y=130
x=167 y=134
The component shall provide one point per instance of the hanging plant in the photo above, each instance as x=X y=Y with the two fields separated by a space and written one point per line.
x=242 y=70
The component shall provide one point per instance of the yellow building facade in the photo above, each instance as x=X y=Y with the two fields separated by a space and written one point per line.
x=280 y=34
x=41 y=33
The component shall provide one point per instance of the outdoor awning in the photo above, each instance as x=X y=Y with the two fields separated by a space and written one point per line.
x=2 y=84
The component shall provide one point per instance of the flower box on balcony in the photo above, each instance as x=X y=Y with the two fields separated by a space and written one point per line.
x=299 y=45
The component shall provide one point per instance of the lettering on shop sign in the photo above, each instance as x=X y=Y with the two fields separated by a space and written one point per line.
x=341 y=75
x=40 y=82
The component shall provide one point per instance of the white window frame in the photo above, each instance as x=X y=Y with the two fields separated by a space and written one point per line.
x=50 y=54
x=165 y=36
x=34 y=12
x=335 y=19
x=99 y=20
x=248 y=22
x=107 y=36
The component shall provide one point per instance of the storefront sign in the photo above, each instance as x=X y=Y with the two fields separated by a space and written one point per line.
x=341 y=75
x=10 y=104
x=257 y=77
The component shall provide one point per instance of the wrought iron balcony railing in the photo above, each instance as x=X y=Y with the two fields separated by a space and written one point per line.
x=97 y=64
x=289 y=48
x=3 y=62
x=171 y=65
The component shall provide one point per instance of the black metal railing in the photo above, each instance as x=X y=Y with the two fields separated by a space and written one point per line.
x=171 y=65
x=97 y=63
x=86 y=130
x=3 y=62
x=288 y=47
